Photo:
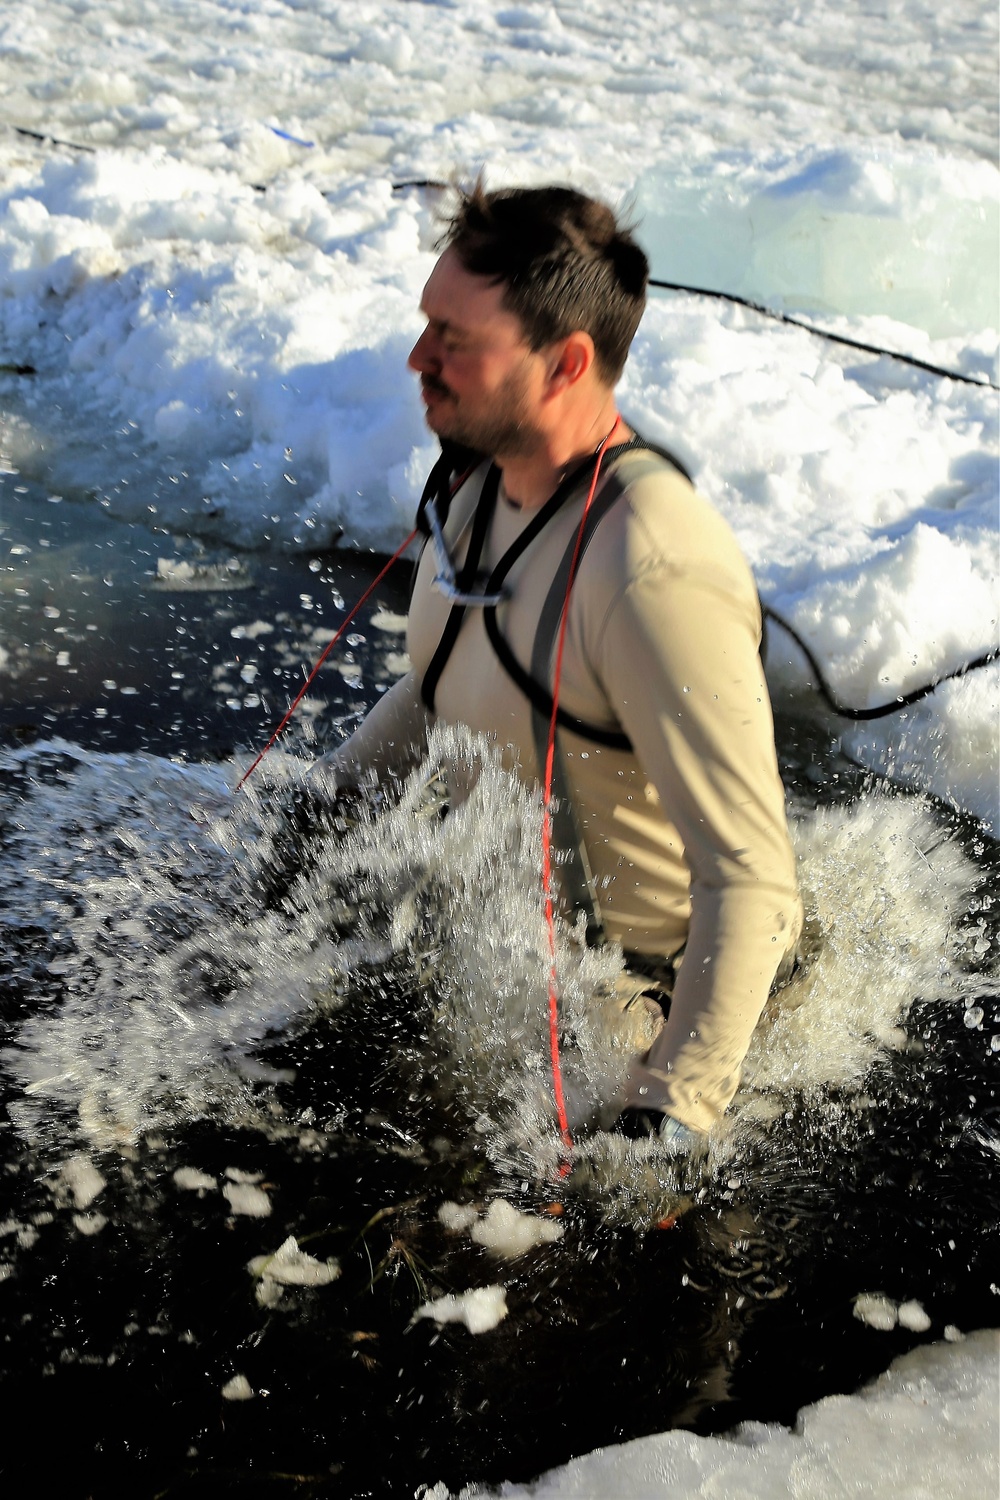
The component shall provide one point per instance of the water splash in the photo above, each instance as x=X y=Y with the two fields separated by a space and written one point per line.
x=178 y=946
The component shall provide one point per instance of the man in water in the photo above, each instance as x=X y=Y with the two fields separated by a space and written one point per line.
x=672 y=819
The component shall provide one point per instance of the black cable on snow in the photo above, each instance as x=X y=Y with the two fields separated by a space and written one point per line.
x=824 y=333
x=37 y=135
x=666 y=286
x=883 y=709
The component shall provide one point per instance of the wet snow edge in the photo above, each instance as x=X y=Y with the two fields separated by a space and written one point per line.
x=938 y=1398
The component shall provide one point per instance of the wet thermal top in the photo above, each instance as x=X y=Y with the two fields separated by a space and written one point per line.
x=686 y=832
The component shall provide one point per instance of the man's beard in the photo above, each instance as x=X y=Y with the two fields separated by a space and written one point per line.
x=505 y=430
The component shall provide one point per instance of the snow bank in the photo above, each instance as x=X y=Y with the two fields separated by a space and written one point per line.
x=243 y=357
x=929 y=1424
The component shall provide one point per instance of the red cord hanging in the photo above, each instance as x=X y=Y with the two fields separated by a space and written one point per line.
x=549 y=903
x=557 y=1081
x=312 y=675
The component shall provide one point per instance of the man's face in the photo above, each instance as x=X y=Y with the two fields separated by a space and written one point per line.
x=481 y=384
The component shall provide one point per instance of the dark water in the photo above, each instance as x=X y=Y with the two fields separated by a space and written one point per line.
x=108 y=655
x=116 y=1345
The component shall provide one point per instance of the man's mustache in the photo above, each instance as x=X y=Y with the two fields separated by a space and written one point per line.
x=430 y=383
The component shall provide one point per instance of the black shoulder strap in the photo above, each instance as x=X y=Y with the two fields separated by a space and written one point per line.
x=533 y=683
x=453 y=463
x=575 y=874
x=463 y=582
x=438 y=483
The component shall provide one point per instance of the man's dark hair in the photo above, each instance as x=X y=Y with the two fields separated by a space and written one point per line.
x=564 y=260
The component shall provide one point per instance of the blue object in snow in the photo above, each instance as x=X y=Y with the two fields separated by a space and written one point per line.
x=293 y=138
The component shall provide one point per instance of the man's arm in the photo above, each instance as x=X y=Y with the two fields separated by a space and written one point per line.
x=390 y=740
x=679 y=660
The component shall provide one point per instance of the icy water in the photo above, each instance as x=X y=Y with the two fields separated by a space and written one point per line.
x=226 y=1024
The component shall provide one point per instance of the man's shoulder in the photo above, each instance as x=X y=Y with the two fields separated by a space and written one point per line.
x=660 y=519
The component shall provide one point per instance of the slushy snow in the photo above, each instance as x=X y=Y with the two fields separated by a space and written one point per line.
x=290 y=1266
x=237 y=1389
x=81 y=1179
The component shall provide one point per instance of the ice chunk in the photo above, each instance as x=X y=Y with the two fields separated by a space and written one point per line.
x=244 y=1198
x=877 y=1310
x=506 y=1233
x=293 y=1267
x=911 y=1315
x=89 y=1223
x=238 y=1389
x=190 y=1180
x=83 y=1180
x=480 y=1310
x=457 y=1217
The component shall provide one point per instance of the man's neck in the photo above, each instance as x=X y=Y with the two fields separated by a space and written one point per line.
x=530 y=478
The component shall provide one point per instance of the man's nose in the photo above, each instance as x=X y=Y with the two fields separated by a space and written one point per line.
x=423 y=357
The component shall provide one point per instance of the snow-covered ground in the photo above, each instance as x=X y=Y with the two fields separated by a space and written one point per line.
x=217 y=297
x=927 y=1426
x=219 y=316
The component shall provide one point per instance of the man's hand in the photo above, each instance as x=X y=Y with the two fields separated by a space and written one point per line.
x=308 y=814
x=653 y=1124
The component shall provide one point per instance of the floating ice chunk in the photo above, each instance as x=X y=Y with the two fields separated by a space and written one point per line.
x=877 y=1310
x=911 y=1315
x=953 y=1335
x=177 y=575
x=506 y=1233
x=252 y=631
x=289 y=1266
x=236 y=1174
x=244 y=1198
x=457 y=1217
x=881 y=1312
x=82 y=1179
x=293 y=1267
x=388 y=620
x=480 y=1310
x=238 y=1389
x=503 y=1231
x=190 y=1180
x=89 y=1223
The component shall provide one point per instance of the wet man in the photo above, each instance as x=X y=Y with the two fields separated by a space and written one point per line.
x=672 y=810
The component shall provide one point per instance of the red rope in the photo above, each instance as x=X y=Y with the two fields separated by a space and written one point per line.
x=550 y=754
x=557 y=1081
x=312 y=675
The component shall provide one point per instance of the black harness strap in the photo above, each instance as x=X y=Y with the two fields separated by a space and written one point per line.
x=534 y=690
x=576 y=876
x=453 y=467
x=464 y=581
x=575 y=873
x=532 y=684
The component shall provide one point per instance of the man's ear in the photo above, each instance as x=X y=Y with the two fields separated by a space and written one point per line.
x=572 y=357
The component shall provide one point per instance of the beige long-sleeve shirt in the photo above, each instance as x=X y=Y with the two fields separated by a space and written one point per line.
x=685 y=833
